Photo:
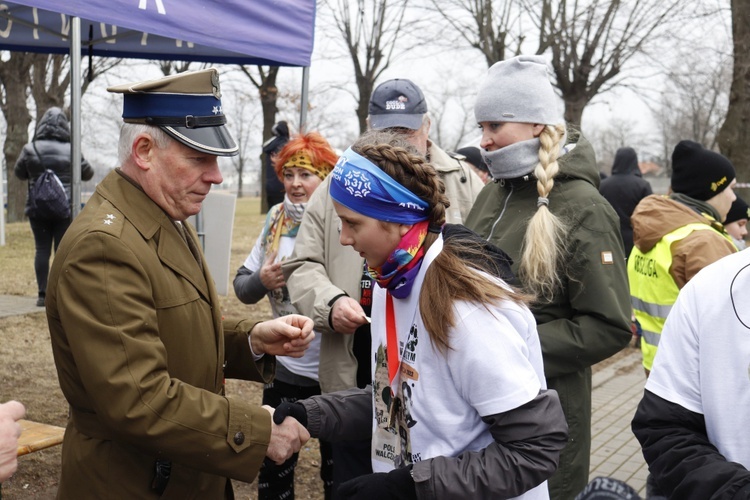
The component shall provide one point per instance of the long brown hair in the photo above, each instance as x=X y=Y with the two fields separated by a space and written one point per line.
x=451 y=275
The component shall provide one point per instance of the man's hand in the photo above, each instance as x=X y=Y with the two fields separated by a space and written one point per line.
x=347 y=315
x=286 y=336
x=286 y=438
x=270 y=273
x=10 y=430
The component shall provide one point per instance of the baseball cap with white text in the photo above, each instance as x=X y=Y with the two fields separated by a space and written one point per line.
x=397 y=103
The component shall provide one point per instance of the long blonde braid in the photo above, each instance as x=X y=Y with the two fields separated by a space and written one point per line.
x=543 y=248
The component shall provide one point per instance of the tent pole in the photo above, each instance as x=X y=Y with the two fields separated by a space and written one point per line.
x=75 y=115
x=303 y=101
x=2 y=205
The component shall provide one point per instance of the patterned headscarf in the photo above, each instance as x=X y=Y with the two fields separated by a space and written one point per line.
x=302 y=160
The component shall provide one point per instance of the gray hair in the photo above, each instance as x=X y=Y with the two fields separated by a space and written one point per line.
x=128 y=133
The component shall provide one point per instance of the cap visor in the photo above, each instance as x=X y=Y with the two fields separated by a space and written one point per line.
x=413 y=122
x=211 y=140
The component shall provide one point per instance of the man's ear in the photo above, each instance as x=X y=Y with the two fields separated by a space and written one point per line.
x=142 y=151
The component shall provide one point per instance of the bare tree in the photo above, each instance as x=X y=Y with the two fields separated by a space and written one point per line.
x=15 y=79
x=371 y=30
x=453 y=120
x=610 y=137
x=241 y=131
x=264 y=79
x=47 y=78
x=590 y=41
x=491 y=27
x=50 y=79
x=734 y=136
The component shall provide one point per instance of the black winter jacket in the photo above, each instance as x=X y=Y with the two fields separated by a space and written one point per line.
x=50 y=149
x=623 y=190
x=680 y=456
x=270 y=148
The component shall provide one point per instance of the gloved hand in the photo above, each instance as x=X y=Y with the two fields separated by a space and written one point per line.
x=394 y=485
x=294 y=410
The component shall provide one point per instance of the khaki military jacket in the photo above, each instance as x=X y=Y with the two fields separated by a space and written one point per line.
x=140 y=351
x=321 y=269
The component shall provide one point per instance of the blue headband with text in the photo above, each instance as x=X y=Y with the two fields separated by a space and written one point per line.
x=362 y=186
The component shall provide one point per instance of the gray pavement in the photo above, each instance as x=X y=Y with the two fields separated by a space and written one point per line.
x=615 y=452
x=617 y=389
x=15 y=304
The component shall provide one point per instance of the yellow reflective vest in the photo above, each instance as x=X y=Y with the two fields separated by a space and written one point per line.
x=653 y=291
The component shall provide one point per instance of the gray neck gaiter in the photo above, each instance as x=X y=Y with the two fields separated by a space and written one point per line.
x=513 y=161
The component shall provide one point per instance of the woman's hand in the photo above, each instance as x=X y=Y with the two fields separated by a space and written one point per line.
x=270 y=273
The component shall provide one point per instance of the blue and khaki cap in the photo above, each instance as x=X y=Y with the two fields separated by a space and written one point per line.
x=187 y=106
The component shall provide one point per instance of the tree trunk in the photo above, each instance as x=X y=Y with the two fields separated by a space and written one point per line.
x=574 y=107
x=734 y=136
x=14 y=75
x=268 y=96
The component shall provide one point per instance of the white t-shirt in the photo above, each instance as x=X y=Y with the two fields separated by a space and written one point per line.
x=495 y=365
x=703 y=361
x=281 y=305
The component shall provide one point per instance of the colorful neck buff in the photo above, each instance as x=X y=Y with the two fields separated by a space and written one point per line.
x=361 y=186
x=398 y=272
x=283 y=220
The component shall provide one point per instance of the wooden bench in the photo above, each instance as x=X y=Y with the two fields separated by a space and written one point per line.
x=36 y=436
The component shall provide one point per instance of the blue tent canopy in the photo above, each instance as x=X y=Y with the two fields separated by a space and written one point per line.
x=261 y=32
x=278 y=33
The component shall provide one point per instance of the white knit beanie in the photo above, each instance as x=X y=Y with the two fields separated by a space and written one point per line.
x=518 y=90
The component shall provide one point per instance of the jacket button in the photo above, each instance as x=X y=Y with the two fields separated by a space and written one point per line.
x=239 y=438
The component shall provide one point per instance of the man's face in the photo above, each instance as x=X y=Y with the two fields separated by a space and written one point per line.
x=179 y=178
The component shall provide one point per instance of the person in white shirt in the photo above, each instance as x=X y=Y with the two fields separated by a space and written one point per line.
x=458 y=406
x=692 y=420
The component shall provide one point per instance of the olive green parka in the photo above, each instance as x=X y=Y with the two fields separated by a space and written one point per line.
x=588 y=319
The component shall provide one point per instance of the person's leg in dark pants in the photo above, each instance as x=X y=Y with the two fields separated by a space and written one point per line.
x=46 y=232
x=351 y=459
x=276 y=482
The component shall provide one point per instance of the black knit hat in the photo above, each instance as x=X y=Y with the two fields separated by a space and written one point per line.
x=698 y=172
x=607 y=488
x=738 y=211
x=474 y=156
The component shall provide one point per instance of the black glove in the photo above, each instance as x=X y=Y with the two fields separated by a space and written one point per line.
x=295 y=410
x=394 y=485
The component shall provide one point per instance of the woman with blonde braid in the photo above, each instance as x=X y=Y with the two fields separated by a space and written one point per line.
x=545 y=210
x=458 y=406
x=301 y=165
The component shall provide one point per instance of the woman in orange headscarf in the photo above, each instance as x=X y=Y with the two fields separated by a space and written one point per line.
x=301 y=165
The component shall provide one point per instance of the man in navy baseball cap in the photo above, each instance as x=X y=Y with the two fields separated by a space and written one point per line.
x=397 y=103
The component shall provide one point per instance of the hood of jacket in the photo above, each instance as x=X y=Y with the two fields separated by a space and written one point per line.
x=578 y=160
x=626 y=162
x=500 y=260
x=53 y=126
x=656 y=216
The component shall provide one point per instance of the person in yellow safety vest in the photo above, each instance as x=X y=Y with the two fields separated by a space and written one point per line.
x=676 y=236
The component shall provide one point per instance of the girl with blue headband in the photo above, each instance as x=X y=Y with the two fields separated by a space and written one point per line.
x=458 y=406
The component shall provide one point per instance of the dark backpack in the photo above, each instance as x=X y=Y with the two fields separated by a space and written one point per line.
x=47 y=198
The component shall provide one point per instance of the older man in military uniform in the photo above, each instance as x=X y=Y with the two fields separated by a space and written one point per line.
x=138 y=337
